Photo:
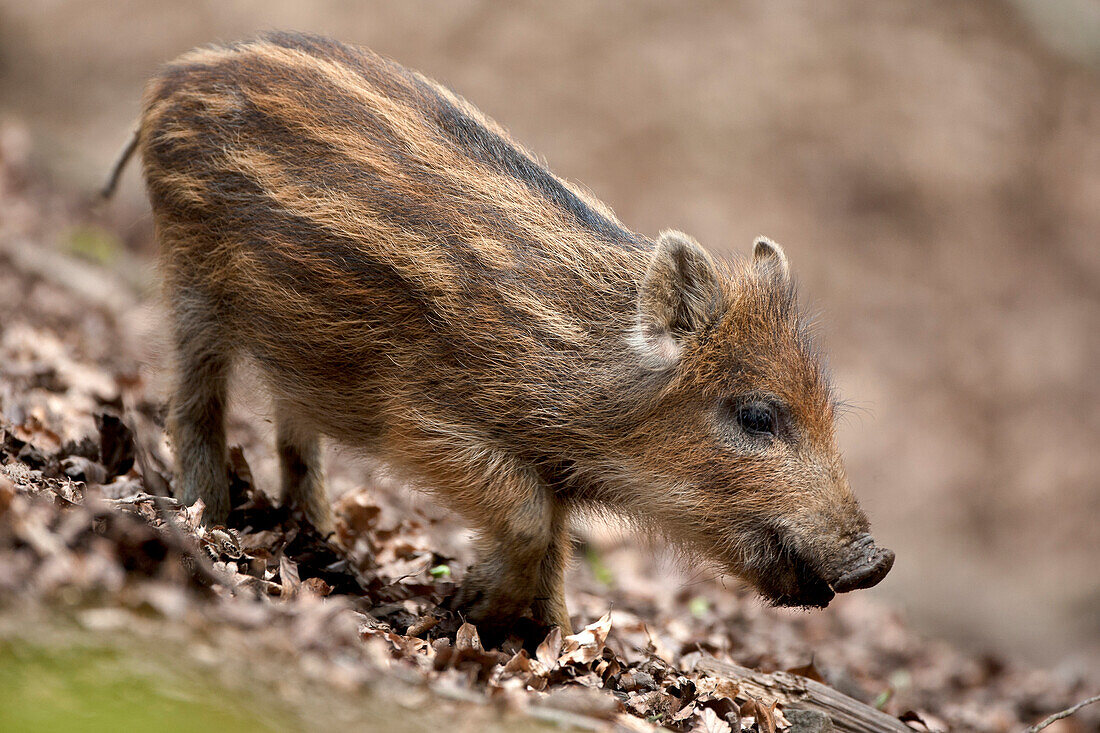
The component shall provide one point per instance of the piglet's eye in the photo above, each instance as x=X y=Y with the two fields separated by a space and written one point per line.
x=756 y=420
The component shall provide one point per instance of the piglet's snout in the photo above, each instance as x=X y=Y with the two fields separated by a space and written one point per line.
x=866 y=566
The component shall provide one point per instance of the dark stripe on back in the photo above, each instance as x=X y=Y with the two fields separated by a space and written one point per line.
x=481 y=144
x=487 y=147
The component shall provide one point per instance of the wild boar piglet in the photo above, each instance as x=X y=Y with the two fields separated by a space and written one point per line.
x=413 y=283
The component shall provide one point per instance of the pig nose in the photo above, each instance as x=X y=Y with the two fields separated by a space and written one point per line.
x=867 y=565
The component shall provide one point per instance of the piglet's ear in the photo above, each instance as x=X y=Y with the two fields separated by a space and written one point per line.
x=677 y=296
x=769 y=259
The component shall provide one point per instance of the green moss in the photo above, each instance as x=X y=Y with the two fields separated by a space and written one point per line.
x=93 y=688
x=599 y=569
x=699 y=606
x=93 y=243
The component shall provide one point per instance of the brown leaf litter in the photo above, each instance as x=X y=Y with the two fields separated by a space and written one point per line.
x=88 y=530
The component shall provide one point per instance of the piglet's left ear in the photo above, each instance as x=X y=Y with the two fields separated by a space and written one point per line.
x=675 y=300
x=769 y=259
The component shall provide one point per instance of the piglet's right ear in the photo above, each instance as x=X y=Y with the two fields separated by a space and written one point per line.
x=769 y=259
x=675 y=299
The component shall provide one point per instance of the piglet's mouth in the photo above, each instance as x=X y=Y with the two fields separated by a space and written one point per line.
x=863 y=565
x=810 y=589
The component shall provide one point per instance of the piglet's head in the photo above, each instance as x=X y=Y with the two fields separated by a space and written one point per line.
x=739 y=437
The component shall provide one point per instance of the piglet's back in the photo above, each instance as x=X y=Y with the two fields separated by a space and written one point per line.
x=295 y=153
x=355 y=223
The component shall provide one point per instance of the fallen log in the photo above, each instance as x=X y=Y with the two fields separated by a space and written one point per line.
x=846 y=713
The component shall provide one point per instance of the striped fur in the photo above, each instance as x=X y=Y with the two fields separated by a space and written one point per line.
x=414 y=283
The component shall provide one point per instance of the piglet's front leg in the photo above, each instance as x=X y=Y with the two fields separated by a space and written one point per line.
x=521 y=548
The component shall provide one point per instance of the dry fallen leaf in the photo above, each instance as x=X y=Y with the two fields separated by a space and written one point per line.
x=193 y=514
x=421 y=627
x=684 y=713
x=709 y=722
x=288 y=572
x=317 y=586
x=587 y=644
x=467 y=638
x=550 y=649
x=809 y=671
x=923 y=721
x=764 y=715
x=519 y=664
x=655 y=704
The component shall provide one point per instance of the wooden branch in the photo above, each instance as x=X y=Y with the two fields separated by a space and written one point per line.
x=846 y=713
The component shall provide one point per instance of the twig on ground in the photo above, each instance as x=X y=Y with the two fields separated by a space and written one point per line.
x=1063 y=714
x=158 y=489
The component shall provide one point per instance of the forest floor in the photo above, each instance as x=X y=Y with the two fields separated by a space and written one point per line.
x=119 y=610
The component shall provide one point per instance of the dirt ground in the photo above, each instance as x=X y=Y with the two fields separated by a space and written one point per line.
x=933 y=171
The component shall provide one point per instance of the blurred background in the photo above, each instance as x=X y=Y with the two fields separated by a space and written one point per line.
x=933 y=170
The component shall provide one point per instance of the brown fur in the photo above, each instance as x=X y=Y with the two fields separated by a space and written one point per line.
x=413 y=283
